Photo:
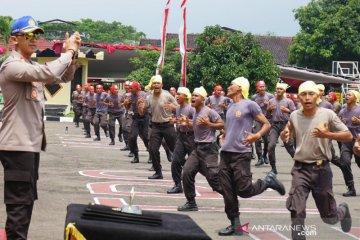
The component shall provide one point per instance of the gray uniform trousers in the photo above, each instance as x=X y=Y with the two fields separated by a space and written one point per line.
x=139 y=127
x=274 y=133
x=20 y=190
x=260 y=151
x=236 y=180
x=113 y=116
x=160 y=131
x=100 y=120
x=184 y=146
x=344 y=163
x=316 y=179
x=203 y=159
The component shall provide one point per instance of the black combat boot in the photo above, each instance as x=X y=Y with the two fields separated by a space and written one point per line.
x=273 y=169
x=346 y=222
x=157 y=175
x=175 y=189
x=97 y=138
x=188 y=206
x=169 y=155
x=351 y=191
x=126 y=148
x=272 y=182
x=112 y=142
x=233 y=229
x=260 y=161
x=266 y=160
x=136 y=158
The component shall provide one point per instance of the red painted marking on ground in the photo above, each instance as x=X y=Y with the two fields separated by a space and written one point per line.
x=2 y=234
x=119 y=202
x=111 y=188
x=266 y=235
x=354 y=232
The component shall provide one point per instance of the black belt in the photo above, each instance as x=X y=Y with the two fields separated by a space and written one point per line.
x=318 y=163
x=203 y=143
x=159 y=123
x=279 y=122
x=187 y=133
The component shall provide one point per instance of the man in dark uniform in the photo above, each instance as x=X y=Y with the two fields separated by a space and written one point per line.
x=350 y=116
x=185 y=137
x=313 y=129
x=115 y=111
x=262 y=98
x=140 y=121
x=90 y=103
x=204 y=157
x=235 y=173
x=77 y=100
x=162 y=103
x=84 y=93
x=218 y=102
x=100 y=117
x=127 y=119
x=280 y=108
x=22 y=134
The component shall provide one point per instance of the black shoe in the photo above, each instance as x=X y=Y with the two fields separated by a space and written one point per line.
x=126 y=148
x=152 y=168
x=273 y=183
x=188 y=206
x=228 y=231
x=351 y=192
x=156 y=176
x=266 y=160
x=274 y=171
x=175 y=189
x=97 y=139
x=149 y=160
x=112 y=142
x=135 y=160
x=259 y=162
x=169 y=155
x=131 y=154
x=87 y=136
x=121 y=139
x=77 y=125
x=346 y=222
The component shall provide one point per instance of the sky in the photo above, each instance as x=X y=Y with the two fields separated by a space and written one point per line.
x=260 y=17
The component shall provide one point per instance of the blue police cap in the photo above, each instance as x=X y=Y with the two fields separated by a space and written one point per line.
x=25 y=24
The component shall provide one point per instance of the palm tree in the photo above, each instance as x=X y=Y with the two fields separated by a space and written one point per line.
x=5 y=31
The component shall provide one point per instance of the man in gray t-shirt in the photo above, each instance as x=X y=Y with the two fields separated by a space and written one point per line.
x=204 y=157
x=262 y=98
x=280 y=108
x=235 y=157
x=161 y=104
x=314 y=128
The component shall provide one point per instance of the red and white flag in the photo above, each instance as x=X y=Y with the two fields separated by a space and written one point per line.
x=183 y=44
x=160 y=62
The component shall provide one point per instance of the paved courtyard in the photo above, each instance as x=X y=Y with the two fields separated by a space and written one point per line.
x=79 y=170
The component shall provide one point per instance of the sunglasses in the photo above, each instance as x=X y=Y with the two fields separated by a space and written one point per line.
x=30 y=36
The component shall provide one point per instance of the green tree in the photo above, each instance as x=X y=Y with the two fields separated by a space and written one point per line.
x=221 y=56
x=330 y=31
x=145 y=66
x=96 y=31
x=5 y=32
